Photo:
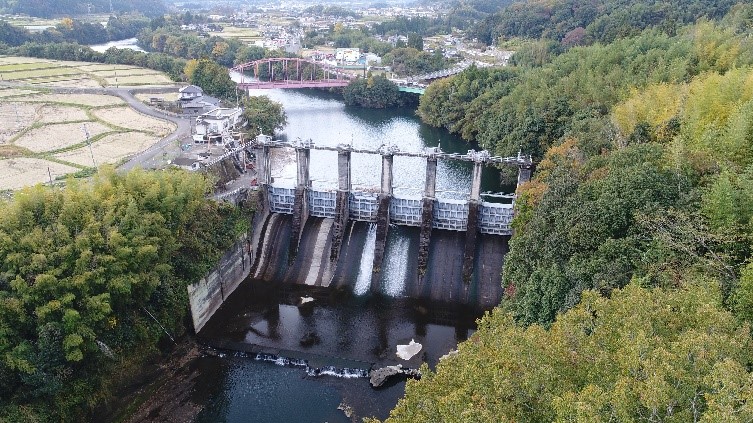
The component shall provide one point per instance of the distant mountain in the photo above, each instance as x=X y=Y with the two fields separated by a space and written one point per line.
x=57 y=8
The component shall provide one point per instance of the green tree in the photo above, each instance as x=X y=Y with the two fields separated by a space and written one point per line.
x=213 y=78
x=263 y=115
x=408 y=61
x=583 y=233
x=415 y=41
x=79 y=269
x=669 y=355
x=376 y=92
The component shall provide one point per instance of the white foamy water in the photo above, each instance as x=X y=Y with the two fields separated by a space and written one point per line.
x=396 y=270
x=367 y=262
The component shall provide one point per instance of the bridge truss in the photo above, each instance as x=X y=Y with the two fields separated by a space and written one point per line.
x=290 y=72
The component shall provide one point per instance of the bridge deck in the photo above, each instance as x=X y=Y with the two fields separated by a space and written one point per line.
x=269 y=85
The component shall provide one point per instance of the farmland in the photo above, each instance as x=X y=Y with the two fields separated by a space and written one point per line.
x=45 y=72
x=46 y=135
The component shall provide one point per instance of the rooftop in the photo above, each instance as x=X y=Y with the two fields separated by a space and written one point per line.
x=191 y=89
x=221 y=112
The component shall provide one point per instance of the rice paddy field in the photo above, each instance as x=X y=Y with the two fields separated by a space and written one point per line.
x=43 y=72
x=45 y=135
x=247 y=35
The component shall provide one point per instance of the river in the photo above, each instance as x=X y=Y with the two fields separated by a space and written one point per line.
x=128 y=43
x=345 y=330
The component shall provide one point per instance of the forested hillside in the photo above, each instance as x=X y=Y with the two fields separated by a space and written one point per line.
x=92 y=276
x=58 y=8
x=629 y=281
x=534 y=105
x=587 y=21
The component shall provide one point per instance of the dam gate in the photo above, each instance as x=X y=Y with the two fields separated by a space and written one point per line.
x=381 y=207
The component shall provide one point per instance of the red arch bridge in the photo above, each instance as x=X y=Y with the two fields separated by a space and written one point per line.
x=291 y=72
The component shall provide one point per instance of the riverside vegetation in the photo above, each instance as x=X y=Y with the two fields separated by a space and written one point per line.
x=629 y=281
x=92 y=277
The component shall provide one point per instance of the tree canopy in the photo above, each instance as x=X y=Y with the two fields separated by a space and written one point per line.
x=74 y=30
x=263 y=115
x=375 y=92
x=571 y=94
x=633 y=242
x=55 y=8
x=642 y=354
x=597 y=20
x=212 y=77
x=85 y=272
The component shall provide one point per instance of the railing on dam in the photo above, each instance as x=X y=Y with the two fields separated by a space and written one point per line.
x=451 y=215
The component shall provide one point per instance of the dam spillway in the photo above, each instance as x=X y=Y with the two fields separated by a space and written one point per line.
x=447 y=250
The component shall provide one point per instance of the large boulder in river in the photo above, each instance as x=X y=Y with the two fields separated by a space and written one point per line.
x=377 y=377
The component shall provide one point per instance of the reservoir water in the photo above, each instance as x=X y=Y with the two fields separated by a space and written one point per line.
x=278 y=361
x=128 y=43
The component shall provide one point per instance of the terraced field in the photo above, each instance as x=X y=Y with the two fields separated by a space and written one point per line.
x=247 y=35
x=46 y=135
x=58 y=73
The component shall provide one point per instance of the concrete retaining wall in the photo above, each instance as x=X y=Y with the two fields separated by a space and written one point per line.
x=209 y=293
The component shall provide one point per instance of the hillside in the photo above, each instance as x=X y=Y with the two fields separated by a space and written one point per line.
x=629 y=283
x=584 y=22
x=58 y=8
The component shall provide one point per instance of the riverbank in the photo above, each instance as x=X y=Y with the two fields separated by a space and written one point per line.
x=159 y=392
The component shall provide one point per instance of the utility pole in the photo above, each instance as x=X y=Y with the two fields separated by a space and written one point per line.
x=86 y=132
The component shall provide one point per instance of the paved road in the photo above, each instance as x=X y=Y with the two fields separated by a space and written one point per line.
x=151 y=157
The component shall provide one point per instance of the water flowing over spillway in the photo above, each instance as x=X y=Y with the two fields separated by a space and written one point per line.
x=367 y=262
x=396 y=268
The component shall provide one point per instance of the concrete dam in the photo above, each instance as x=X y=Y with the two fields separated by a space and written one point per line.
x=374 y=241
